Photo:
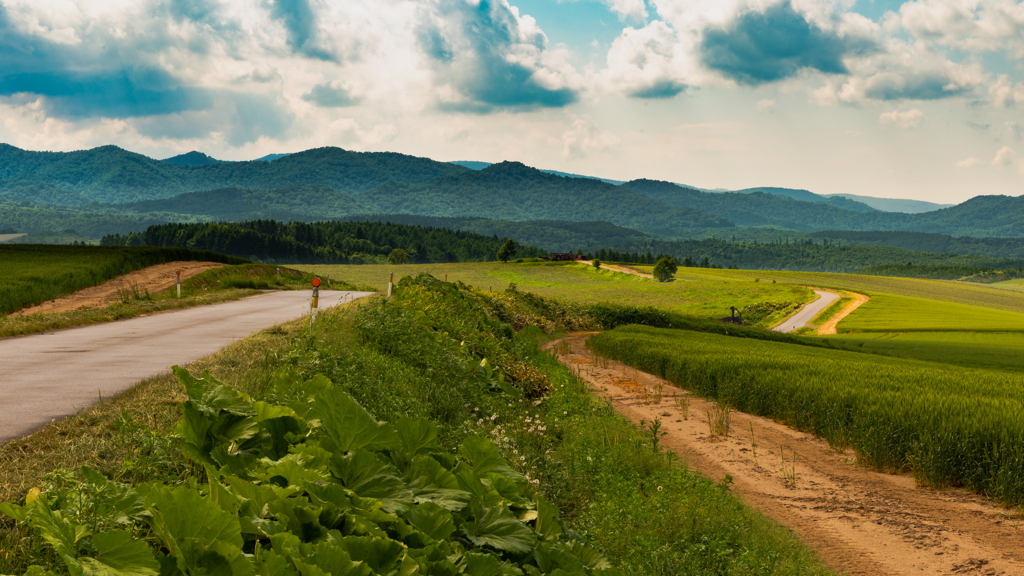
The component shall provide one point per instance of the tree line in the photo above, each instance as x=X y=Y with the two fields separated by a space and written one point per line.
x=328 y=242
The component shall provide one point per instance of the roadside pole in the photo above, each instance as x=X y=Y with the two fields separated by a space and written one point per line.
x=315 y=302
x=178 y=282
x=391 y=281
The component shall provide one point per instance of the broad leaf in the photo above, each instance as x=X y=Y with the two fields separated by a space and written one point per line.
x=547 y=525
x=486 y=459
x=350 y=425
x=195 y=529
x=432 y=520
x=383 y=556
x=499 y=529
x=119 y=554
x=57 y=531
x=418 y=436
x=481 y=565
x=366 y=475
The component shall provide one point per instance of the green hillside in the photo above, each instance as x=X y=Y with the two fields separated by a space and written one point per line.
x=512 y=191
x=112 y=175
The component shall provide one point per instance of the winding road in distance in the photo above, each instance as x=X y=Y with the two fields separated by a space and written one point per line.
x=48 y=376
x=808 y=312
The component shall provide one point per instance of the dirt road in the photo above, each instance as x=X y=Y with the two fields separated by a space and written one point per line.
x=862 y=522
x=617 y=268
x=153 y=279
x=52 y=375
x=8 y=237
x=830 y=326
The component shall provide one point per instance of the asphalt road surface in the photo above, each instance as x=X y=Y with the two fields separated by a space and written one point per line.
x=809 y=311
x=52 y=375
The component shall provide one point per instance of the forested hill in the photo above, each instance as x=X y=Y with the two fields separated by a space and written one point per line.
x=506 y=191
x=762 y=209
x=512 y=191
x=325 y=242
x=806 y=255
x=928 y=242
x=112 y=175
x=981 y=216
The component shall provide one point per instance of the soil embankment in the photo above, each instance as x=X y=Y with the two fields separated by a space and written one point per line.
x=862 y=522
x=152 y=279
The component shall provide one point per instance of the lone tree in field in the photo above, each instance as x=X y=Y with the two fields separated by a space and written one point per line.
x=665 y=269
x=507 y=250
x=398 y=256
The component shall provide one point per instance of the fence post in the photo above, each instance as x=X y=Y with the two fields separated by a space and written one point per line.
x=391 y=281
x=178 y=282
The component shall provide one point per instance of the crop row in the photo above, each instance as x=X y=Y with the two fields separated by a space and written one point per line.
x=949 y=426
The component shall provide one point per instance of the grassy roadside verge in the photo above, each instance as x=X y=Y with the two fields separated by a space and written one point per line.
x=210 y=287
x=469 y=362
x=34 y=273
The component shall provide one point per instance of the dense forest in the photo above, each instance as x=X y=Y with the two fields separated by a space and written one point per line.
x=807 y=254
x=553 y=235
x=928 y=242
x=324 y=242
x=112 y=175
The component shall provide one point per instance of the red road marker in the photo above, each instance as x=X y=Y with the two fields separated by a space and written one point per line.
x=316 y=282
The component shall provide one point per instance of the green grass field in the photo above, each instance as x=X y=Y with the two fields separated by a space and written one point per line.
x=709 y=297
x=34 y=273
x=889 y=313
x=949 y=425
x=994 y=350
x=941 y=290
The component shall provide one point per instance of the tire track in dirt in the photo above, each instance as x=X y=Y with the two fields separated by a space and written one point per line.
x=861 y=522
x=153 y=279
x=830 y=326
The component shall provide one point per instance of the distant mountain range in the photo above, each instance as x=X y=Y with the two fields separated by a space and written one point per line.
x=119 y=189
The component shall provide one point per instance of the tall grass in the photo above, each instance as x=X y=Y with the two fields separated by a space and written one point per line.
x=949 y=426
x=33 y=273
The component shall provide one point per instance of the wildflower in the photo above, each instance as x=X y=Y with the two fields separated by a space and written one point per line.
x=515 y=451
x=589 y=459
x=522 y=458
x=659 y=488
x=566 y=413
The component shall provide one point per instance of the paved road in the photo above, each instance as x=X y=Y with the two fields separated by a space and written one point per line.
x=808 y=312
x=53 y=375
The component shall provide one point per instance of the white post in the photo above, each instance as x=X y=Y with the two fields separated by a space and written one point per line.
x=178 y=283
x=391 y=280
x=315 y=302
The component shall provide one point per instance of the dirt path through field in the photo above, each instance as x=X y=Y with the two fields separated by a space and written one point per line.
x=617 y=268
x=8 y=237
x=862 y=522
x=830 y=326
x=154 y=279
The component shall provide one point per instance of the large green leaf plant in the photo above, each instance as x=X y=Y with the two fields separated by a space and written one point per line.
x=310 y=485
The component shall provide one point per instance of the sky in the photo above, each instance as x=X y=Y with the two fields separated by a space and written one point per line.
x=920 y=99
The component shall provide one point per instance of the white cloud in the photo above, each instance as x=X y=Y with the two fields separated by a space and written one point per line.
x=970 y=25
x=902 y=72
x=648 y=63
x=969 y=163
x=1004 y=93
x=634 y=9
x=765 y=105
x=585 y=138
x=1005 y=156
x=902 y=118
